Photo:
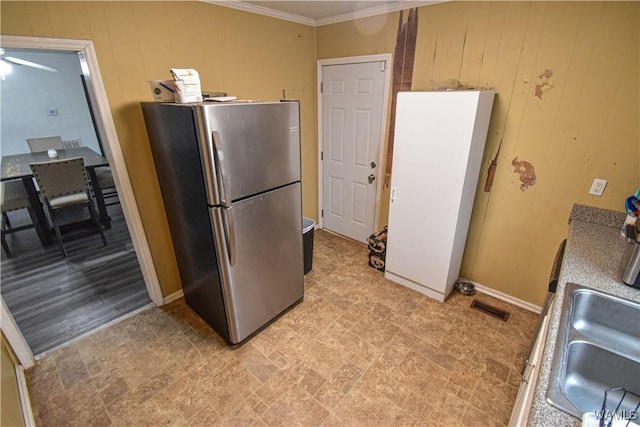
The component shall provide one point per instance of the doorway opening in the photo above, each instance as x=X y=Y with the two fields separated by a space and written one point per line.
x=92 y=274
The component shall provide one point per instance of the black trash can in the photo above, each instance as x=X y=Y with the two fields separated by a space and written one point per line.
x=307 y=240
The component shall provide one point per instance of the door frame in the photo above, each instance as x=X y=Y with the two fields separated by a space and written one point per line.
x=387 y=58
x=113 y=152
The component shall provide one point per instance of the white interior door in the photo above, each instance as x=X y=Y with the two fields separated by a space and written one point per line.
x=352 y=125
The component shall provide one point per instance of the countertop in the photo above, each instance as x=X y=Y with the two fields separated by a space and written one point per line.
x=592 y=258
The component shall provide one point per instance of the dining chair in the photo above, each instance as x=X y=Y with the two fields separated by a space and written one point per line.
x=64 y=184
x=72 y=143
x=13 y=197
x=109 y=195
x=107 y=185
x=37 y=145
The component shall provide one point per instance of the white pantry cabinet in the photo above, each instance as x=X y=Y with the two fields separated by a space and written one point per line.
x=438 y=146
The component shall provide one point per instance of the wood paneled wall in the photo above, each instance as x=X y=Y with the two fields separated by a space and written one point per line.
x=567 y=78
x=11 y=413
x=582 y=123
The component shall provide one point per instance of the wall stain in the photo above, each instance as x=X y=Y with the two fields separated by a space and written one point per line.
x=543 y=84
x=526 y=171
x=491 y=172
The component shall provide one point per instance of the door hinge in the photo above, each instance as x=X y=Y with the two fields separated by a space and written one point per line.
x=321 y=155
x=322 y=213
x=383 y=67
x=321 y=87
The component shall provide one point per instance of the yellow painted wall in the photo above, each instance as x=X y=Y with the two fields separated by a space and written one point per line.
x=10 y=405
x=585 y=125
x=243 y=54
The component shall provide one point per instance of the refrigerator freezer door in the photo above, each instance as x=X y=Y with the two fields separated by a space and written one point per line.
x=251 y=147
x=267 y=277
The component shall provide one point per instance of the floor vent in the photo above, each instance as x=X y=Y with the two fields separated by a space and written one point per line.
x=490 y=310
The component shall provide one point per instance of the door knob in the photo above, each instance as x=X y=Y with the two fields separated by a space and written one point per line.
x=373 y=165
x=371 y=178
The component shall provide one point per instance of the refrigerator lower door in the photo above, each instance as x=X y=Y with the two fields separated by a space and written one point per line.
x=267 y=276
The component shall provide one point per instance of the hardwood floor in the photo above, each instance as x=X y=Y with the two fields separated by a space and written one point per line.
x=55 y=299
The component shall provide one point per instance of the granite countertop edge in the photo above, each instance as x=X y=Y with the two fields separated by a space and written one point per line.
x=592 y=258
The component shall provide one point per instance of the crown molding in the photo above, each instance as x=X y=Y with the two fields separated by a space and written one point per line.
x=364 y=13
x=261 y=10
x=373 y=11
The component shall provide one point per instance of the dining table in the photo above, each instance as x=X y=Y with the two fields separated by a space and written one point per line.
x=16 y=166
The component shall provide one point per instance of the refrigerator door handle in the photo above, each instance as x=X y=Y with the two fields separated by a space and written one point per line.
x=221 y=176
x=229 y=234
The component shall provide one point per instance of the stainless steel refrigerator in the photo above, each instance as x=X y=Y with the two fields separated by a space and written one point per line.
x=230 y=180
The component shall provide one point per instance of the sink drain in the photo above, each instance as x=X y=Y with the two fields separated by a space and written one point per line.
x=490 y=310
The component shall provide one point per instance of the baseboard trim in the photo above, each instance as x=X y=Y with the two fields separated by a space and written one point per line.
x=174 y=296
x=25 y=401
x=504 y=297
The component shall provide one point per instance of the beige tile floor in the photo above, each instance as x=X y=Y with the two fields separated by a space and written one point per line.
x=358 y=351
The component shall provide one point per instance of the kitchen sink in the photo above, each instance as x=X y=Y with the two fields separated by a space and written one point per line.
x=604 y=319
x=598 y=348
x=591 y=370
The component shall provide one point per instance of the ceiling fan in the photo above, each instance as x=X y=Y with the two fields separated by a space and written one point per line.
x=26 y=63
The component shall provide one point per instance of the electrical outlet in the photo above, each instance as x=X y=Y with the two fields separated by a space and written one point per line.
x=597 y=188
